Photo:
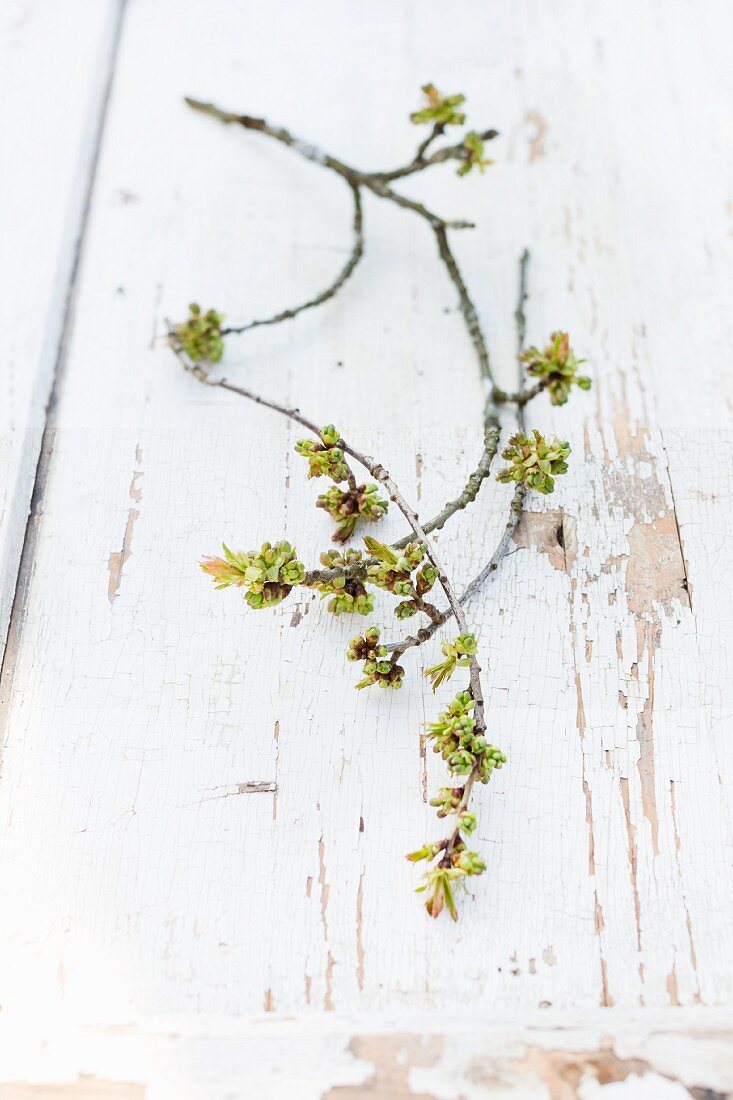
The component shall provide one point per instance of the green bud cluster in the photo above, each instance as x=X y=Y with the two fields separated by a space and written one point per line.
x=200 y=335
x=348 y=594
x=439 y=110
x=425 y=578
x=470 y=863
x=349 y=506
x=454 y=736
x=441 y=881
x=467 y=822
x=447 y=800
x=557 y=367
x=378 y=668
x=448 y=874
x=341 y=559
x=473 y=155
x=393 y=569
x=534 y=460
x=422 y=582
x=325 y=458
x=457 y=655
x=428 y=851
x=269 y=575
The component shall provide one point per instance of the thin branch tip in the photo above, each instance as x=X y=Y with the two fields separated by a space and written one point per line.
x=411 y=567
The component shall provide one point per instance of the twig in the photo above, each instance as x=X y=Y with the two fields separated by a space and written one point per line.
x=450 y=152
x=310 y=152
x=380 y=474
x=523 y=396
x=332 y=290
x=426 y=607
x=436 y=132
x=515 y=508
x=373 y=181
x=359 y=569
x=515 y=513
x=427 y=632
x=466 y=305
x=271 y=574
x=222 y=384
x=466 y=497
x=324 y=576
x=377 y=183
x=471 y=489
x=519 y=314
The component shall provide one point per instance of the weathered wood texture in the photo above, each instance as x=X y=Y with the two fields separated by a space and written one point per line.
x=200 y=815
x=56 y=63
x=648 y=1054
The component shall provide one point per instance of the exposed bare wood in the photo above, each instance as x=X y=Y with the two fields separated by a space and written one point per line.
x=197 y=812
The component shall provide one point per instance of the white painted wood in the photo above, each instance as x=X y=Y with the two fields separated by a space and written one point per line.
x=611 y=1054
x=139 y=700
x=55 y=66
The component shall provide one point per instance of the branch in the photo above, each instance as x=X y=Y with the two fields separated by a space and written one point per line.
x=354 y=176
x=332 y=290
x=471 y=489
x=519 y=315
x=271 y=574
x=450 y=152
x=515 y=508
x=436 y=132
x=523 y=397
x=381 y=475
x=323 y=576
x=467 y=307
x=427 y=632
x=221 y=383
x=466 y=496
x=469 y=494
x=279 y=133
x=427 y=608
x=515 y=513
x=377 y=183
x=521 y=323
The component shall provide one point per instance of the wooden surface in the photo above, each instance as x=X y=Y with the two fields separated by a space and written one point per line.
x=56 y=65
x=158 y=918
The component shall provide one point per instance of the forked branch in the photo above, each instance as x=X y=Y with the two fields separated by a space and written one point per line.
x=409 y=568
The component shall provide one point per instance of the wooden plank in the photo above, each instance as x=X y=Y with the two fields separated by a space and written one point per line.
x=650 y=1054
x=145 y=713
x=56 y=62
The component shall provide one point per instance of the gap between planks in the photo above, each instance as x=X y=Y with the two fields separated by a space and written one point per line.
x=9 y=645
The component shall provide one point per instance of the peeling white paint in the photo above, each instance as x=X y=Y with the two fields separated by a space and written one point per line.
x=141 y=868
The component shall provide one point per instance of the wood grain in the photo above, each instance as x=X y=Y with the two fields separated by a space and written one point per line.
x=200 y=816
x=611 y=1054
x=56 y=64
